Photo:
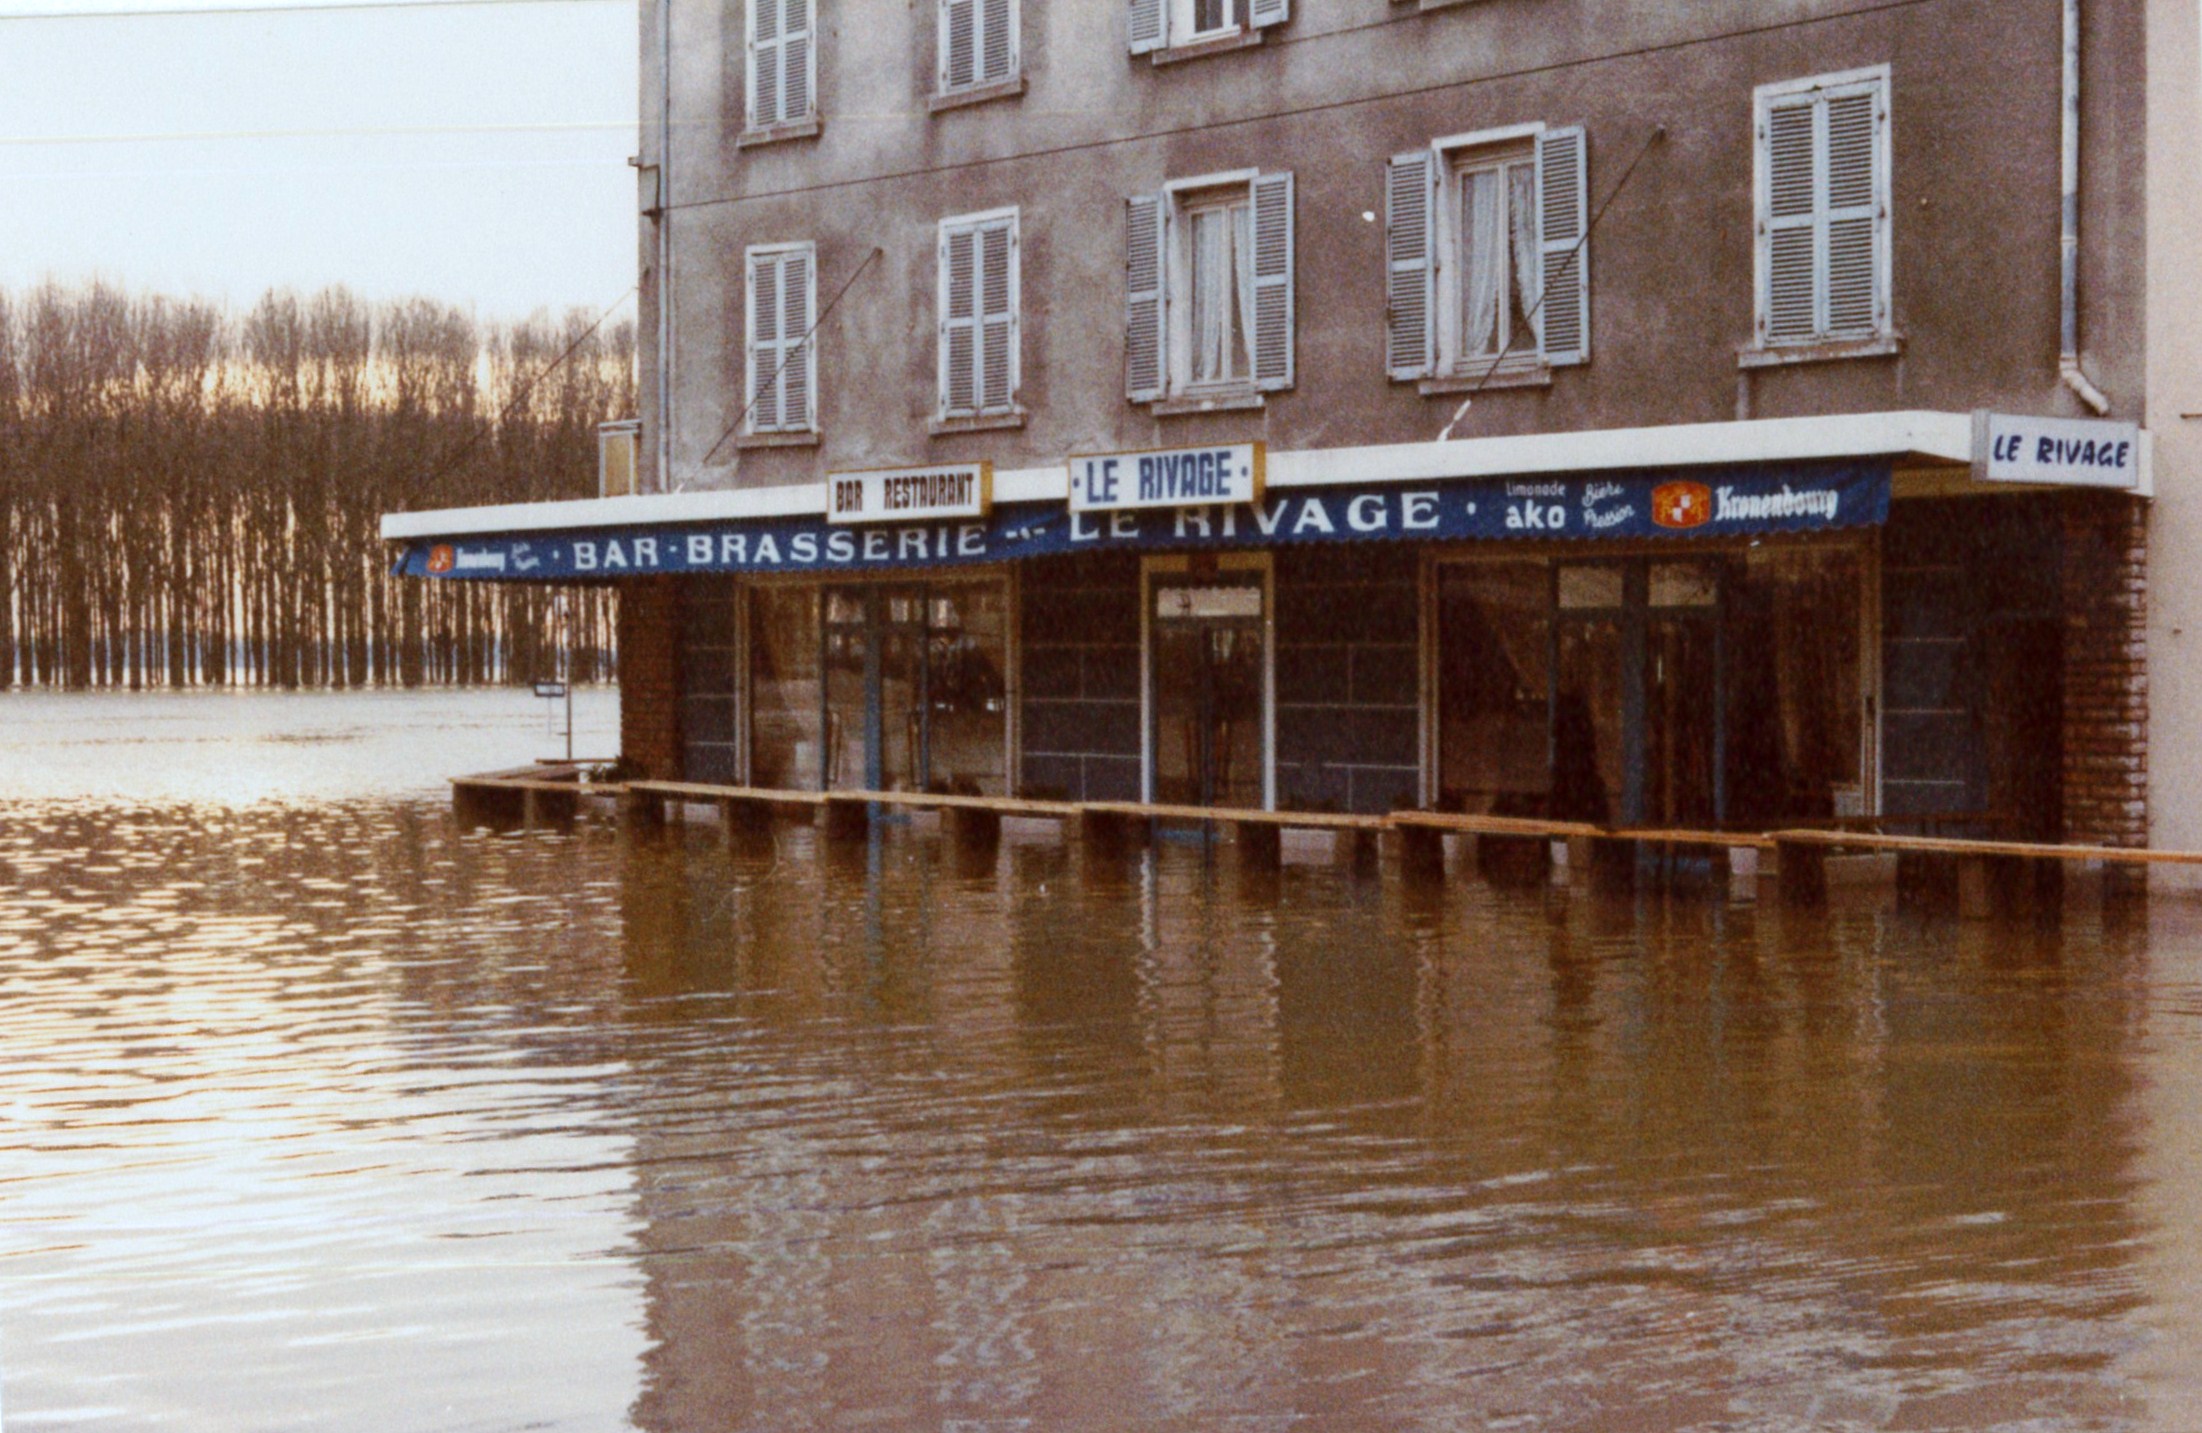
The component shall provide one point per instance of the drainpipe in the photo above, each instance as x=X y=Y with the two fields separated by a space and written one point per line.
x=2068 y=361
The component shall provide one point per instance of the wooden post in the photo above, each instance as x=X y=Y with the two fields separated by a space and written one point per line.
x=1515 y=861
x=1801 y=873
x=1928 y=882
x=748 y=822
x=847 y=818
x=1421 y=853
x=1356 y=849
x=1260 y=843
x=641 y=810
x=973 y=828
x=1613 y=863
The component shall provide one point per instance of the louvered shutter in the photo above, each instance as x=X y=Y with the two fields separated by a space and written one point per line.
x=796 y=54
x=997 y=40
x=959 y=43
x=1270 y=12
x=765 y=60
x=764 y=342
x=1855 y=302
x=1273 y=281
x=1147 y=25
x=997 y=311
x=959 y=315
x=1410 y=338
x=799 y=372
x=1788 y=223
x=1144 y=278
x=1563 y=173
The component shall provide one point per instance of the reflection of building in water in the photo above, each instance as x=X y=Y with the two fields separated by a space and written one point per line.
x=917 y=1150
x=1077 y=473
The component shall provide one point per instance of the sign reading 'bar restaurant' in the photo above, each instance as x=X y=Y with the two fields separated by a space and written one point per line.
x=954 y=490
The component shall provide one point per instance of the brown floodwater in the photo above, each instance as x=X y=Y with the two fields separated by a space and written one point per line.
x=316 y=1112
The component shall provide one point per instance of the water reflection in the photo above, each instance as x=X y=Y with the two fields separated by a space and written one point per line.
x=326 y=1115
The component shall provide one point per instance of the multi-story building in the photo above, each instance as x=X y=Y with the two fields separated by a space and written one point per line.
x=1729 y=412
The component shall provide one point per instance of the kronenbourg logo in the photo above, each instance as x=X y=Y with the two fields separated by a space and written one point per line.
x=441 y=558
x=1681 y=504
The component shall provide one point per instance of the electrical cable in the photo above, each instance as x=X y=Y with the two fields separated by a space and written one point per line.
x=802 y=346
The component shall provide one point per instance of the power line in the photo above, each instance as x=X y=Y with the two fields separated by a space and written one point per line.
x=278 y=7
x=393 y=131
x=1322 y=107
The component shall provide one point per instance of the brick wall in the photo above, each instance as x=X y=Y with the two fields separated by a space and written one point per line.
x=649 y=676
x=2105 y=670
x=1348 y=678
x=1080 y=628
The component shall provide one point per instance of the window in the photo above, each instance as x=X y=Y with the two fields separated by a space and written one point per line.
x=783 y=365
x=1156 y=25
x=978 y=43
x=978 y=315
x=782 y=63
x=1823 y=210
x=1209 y=302
x=1487 y=256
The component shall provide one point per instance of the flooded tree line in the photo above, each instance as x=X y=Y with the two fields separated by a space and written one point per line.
x=191 y=497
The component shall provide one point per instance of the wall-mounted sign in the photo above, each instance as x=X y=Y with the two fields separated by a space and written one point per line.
x=2068 y=452
x=950 y=490
x=1168 y=478
x=1730 y=502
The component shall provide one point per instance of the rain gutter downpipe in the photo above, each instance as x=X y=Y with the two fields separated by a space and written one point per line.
x=2068 y=360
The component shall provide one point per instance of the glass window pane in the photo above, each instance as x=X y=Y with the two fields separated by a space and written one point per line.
x=1589 y=587
x=967 y=652
x=1795 y=724
x=783 y=684
x=1482 y=261
x=1494 y=702
x=1683 y=584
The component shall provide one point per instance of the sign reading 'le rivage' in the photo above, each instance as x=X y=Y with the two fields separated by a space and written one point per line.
x=949 y=490
x=1167 y=478
x=2068 y=452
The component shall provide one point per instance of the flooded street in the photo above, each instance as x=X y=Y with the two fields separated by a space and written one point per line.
x=319 y=1113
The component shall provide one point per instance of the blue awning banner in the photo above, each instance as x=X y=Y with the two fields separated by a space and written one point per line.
x=1707 y=503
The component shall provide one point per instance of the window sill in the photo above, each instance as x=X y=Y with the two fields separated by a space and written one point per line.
x=977 y=94
x=1230 y=400
x=1202 y=49
x=779 y=133
x=980 y=423
x=1887 y=345
x=746 y=441
x=1517 y=375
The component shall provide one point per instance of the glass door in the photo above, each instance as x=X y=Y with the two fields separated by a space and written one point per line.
x=1682 y=709
x=913 y=696
x=1209 y=674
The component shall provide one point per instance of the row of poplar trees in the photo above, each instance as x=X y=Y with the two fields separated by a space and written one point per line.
x=190 y=497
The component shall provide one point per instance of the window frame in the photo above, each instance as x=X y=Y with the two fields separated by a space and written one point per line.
x=1181 y=197
x=778 y=253
x=1505 y=146
x=755 y=123
x=1824 y=341
x=1158 y=27
x=1012 y=405
x=944 y=86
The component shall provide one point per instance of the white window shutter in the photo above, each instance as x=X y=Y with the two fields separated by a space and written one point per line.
x=764 y=63
x=1855 y=216
x=997 y=40
x=798 y=376
x=1410 y=336
x=1145 y=277
x=798 y=54
x=1264 y=13
x=959 y=43
x=1563 y=189
x=1789 y=308
x=763 y=342
x=958 y=310
x=1272 y=196
x=1148 y=28
x=997 y=314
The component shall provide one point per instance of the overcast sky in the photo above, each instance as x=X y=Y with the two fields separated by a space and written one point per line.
x=470 y=150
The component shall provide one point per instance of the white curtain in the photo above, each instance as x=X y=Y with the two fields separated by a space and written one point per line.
x=1481 y=244
x=1521 y=186
x=1211 y=288
x=1242 y=235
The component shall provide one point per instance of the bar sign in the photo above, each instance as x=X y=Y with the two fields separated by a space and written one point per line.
x=2067 y=452
x=1168 y=478
x=953 y=490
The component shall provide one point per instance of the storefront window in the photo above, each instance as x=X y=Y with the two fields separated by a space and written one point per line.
x=1495 y=698
x=1794 y=725
x=783 y=685
x=967 y=651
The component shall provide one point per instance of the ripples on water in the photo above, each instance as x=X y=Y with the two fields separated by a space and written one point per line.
x=323 y=1115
